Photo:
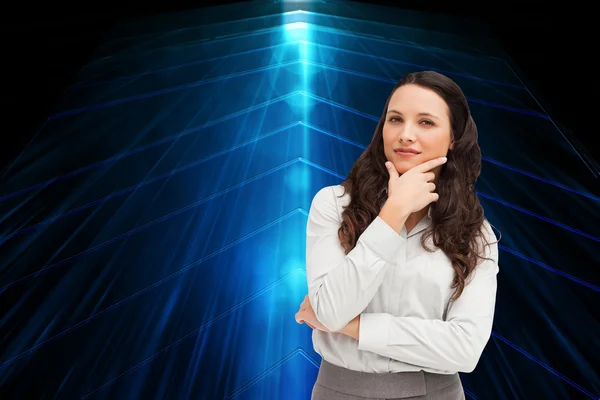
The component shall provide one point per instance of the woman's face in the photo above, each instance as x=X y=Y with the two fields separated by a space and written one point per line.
x=417 y=119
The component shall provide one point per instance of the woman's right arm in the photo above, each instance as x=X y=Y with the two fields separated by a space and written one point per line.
x=341 y=286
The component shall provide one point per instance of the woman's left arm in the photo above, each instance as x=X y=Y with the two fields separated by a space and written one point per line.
x=455 y=344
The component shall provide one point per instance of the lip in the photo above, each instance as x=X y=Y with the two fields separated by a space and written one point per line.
x=406 y=152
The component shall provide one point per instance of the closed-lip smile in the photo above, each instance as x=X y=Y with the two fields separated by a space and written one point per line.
x=406 y=150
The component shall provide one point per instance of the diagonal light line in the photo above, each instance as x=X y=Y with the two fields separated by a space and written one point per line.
x=507 y=108
x=392 y=81
x=188 y=64
x=333 y=135
x=143 y=183
x=540 y=264
x=159 y=219
x=266 y=372
x=150 y=145
x=551 y=221
x=349 y=71
x=320 y=167
x=469 y=393
x=338 y=105
x=583 y=157
x=539 y=178
x=12 y=164
x=544 y=365
x=394 y=61
x=326 y=170
x=309 y=358
x=171 y=89
x=196 y=331
x=549 y=268
x=146 y=289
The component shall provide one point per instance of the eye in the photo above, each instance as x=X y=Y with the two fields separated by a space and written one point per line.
x=394 y=119
x=427 y=122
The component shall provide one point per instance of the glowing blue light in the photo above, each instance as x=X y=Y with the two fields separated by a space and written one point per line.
x=296 y=25
x=295 y=31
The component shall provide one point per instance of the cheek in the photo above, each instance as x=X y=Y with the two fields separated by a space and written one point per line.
x=426 y=142
x=388 y=136
x=433 y=141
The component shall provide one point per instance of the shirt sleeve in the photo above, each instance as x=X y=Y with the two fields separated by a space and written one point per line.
x=341 y=286
x=454 y=344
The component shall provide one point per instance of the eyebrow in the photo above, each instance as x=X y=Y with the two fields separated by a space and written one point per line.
x=419 y=114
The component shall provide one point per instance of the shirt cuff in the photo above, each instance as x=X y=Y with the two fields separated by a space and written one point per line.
x=382 y=239
x=373 y=332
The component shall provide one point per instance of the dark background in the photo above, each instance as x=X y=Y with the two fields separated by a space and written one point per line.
x=44 y=48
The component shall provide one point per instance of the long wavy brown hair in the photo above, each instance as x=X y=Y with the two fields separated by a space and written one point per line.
x=457 y=216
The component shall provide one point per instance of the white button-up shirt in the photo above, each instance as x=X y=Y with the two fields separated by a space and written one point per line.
x=401 y=292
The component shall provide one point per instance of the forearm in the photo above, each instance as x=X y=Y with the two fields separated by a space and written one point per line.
x=453 y=344
x=344 y=291
x=443 y=345
x=352 y=329
x=341 y=285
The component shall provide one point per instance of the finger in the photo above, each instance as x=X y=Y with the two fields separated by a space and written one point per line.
x=392 y=171
x=429 y=176
x=435 y=197
x=431 y=164
x=431 y=186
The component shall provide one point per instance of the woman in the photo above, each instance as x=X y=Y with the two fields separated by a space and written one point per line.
x=401 y=261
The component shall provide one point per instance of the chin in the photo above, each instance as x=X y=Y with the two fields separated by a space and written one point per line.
x=402 y=167
x=404 y=164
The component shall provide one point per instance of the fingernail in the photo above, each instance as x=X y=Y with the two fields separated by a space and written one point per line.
x=388 y=164
x=444 y=159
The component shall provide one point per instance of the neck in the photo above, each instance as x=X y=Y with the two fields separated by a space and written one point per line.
x=414 y=218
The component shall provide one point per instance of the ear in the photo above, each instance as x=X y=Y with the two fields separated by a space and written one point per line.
x=451 y=145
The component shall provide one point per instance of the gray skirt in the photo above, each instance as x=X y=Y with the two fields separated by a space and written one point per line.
x=337 y=383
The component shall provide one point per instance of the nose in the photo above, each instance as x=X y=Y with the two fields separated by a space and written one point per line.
x=407 y=133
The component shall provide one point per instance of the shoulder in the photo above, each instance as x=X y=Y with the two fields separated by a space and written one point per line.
x=487 y=230
x=488 y=248
x=331 y=196
x=329 y=201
